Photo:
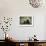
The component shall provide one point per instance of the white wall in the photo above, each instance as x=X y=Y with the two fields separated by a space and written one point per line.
x=16 y=8
x=45 y=29
x=23 y=32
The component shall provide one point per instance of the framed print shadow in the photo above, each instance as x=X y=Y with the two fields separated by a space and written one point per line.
x=26 y=20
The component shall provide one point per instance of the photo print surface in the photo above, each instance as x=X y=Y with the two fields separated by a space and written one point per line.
x=26 y=20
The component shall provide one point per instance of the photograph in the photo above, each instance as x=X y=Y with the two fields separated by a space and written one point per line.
x=26 y=20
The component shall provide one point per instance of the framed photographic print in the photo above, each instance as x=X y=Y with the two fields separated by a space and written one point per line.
x=26 y=20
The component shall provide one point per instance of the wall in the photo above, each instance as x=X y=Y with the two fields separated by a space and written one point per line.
x=45 y=29
x=23 y=33
x=16 y=8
